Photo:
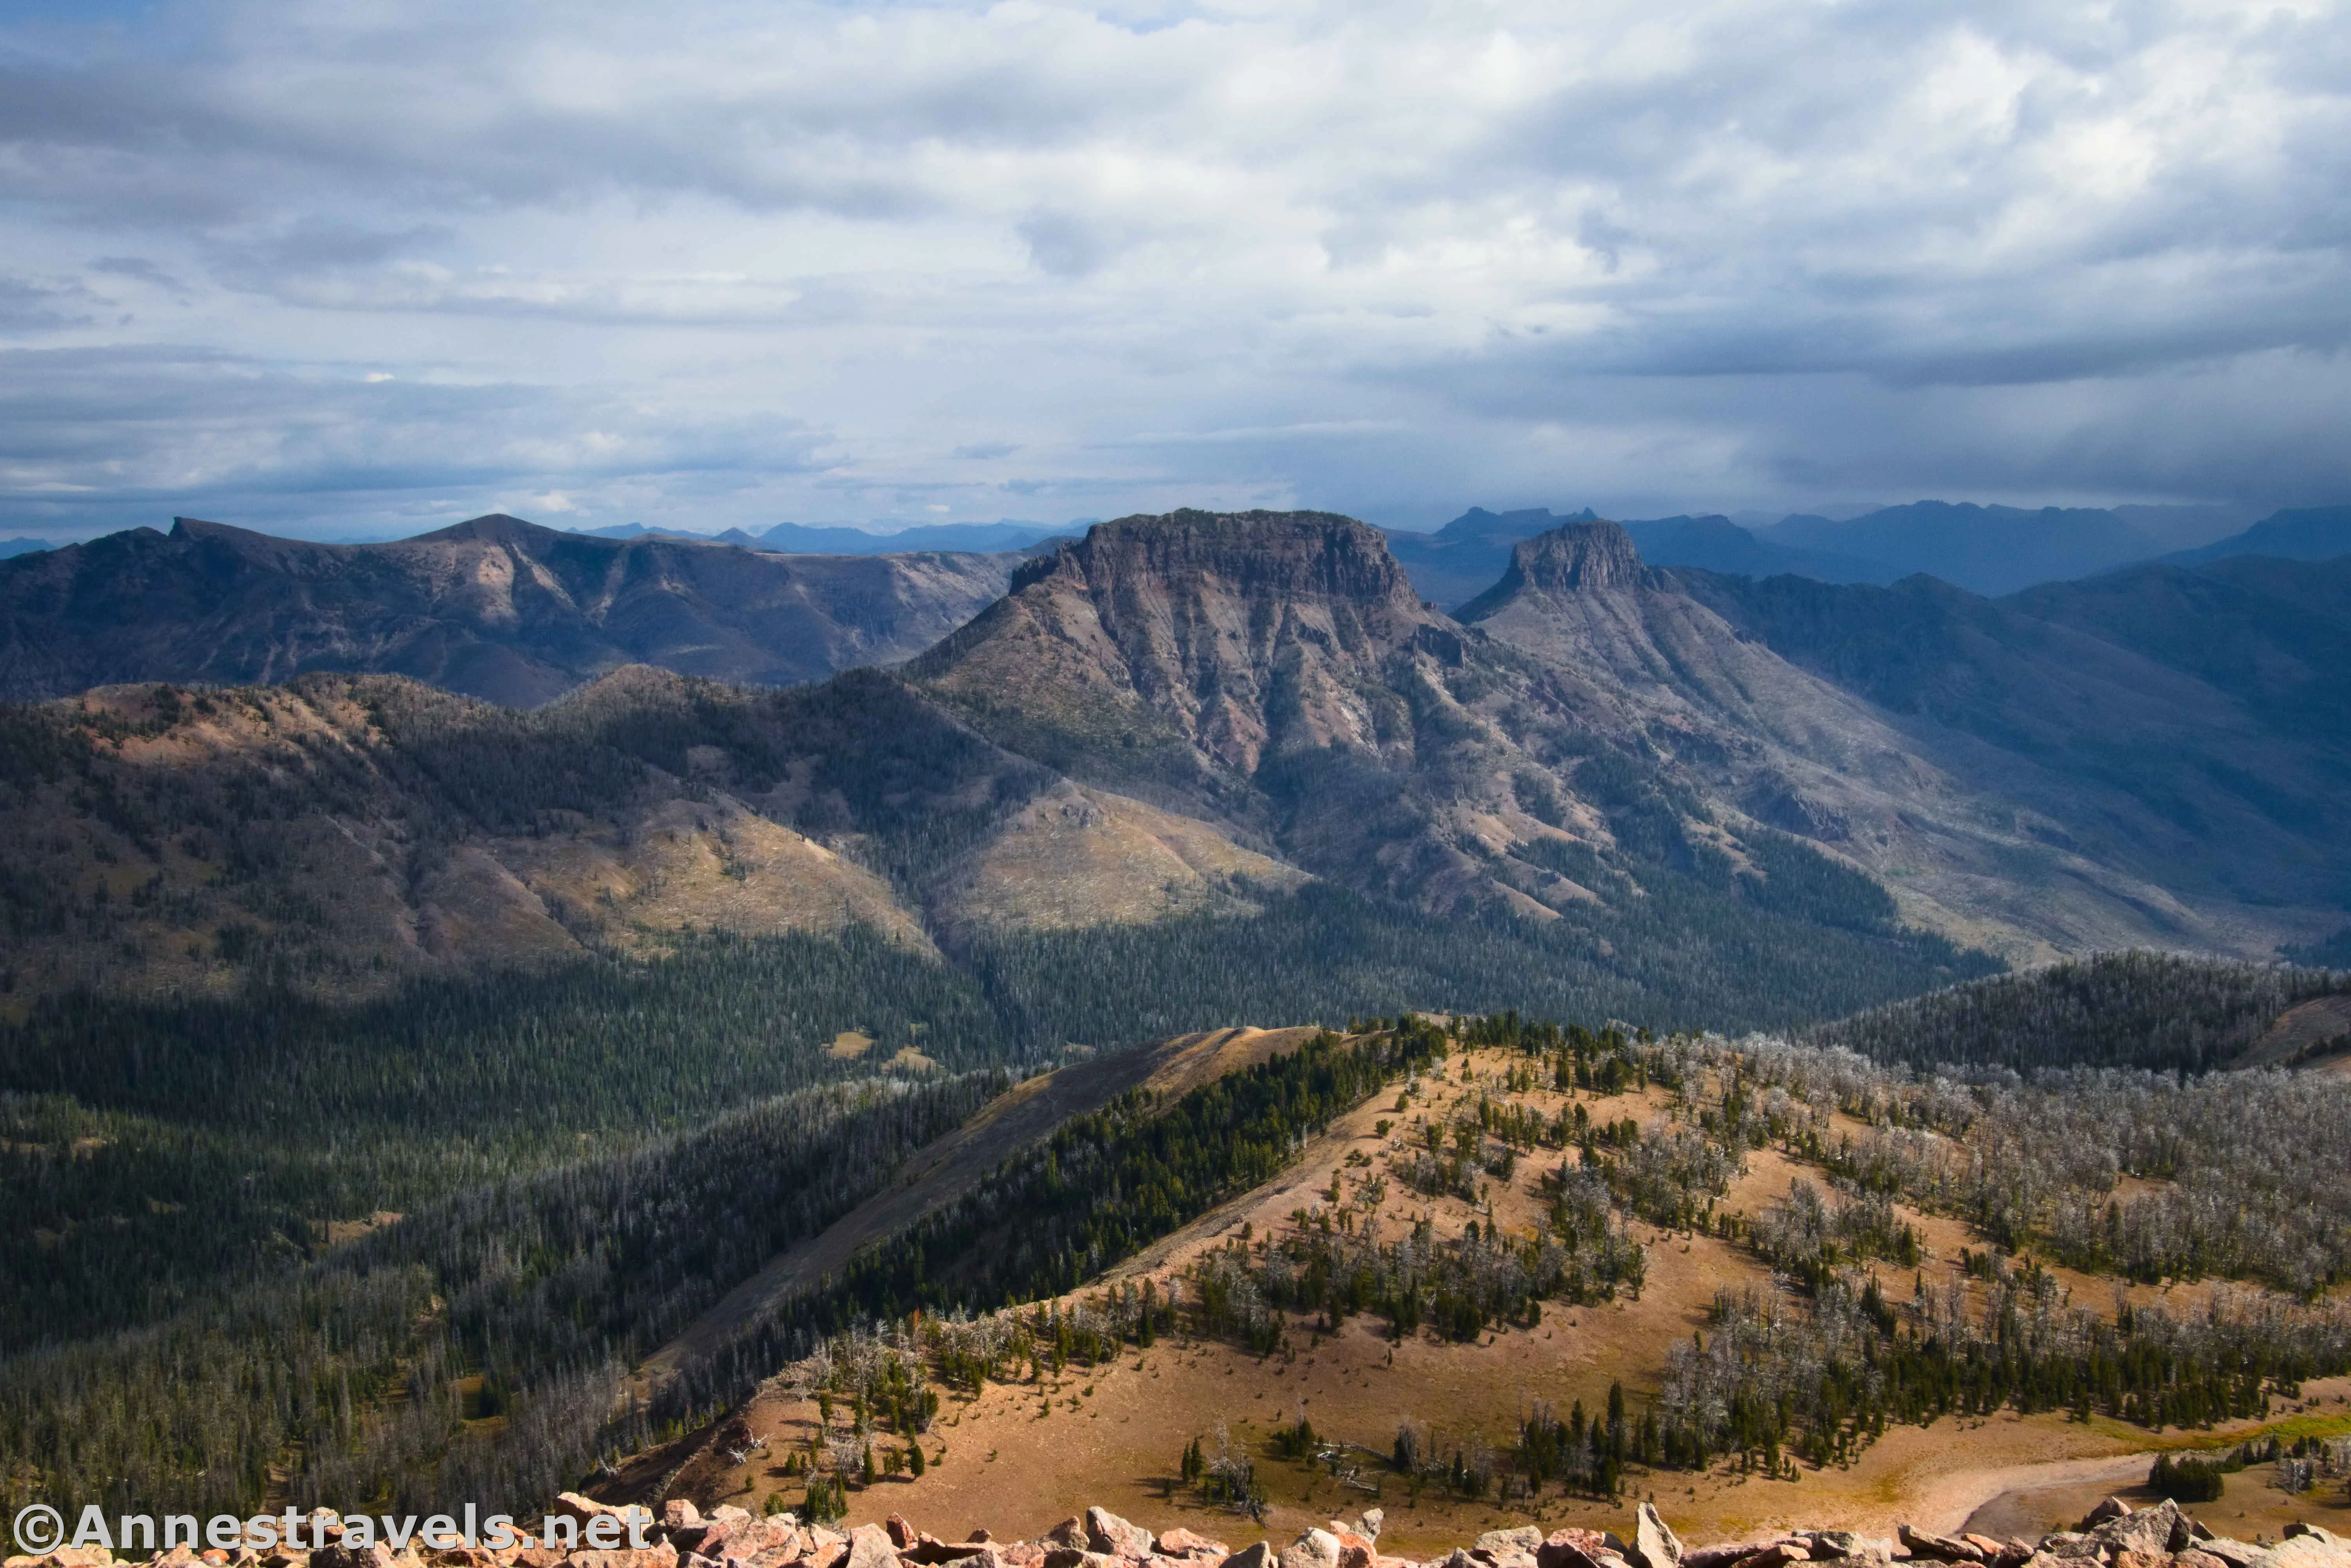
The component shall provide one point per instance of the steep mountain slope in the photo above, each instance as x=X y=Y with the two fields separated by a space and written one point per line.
x=2316 y=533
x=1988 y=549
x=1461 y=561
x=339 y=834
x=1745 y=730
x=495 y=608
x=2169 y=724
x=1717 y=544
x=1277 y=672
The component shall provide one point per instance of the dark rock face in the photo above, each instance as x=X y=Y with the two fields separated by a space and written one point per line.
x=494 y=608
x=1594 y=556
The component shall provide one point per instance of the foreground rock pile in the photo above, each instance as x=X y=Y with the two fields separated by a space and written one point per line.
x=2114 y=1536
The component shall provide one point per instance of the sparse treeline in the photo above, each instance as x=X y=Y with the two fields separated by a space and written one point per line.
x=1055 y=1215
x=525 y=1299
x=2236 y=1174
x=1777 y=1381
x=2150 y=1010
x=1859 y=1337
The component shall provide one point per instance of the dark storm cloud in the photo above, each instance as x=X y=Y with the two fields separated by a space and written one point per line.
x=1393 y=258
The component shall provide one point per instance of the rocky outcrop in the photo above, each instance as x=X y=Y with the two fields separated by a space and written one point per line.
x=678 y=1535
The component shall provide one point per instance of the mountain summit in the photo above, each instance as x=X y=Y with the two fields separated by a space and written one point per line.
x=1216 y=637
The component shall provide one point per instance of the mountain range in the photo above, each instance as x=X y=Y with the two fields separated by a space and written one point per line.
x=495 y=608
x=1985 y=549
x=801 y=538
x=1676 y=784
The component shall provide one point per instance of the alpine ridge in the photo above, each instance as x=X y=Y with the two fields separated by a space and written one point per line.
x=495 y=608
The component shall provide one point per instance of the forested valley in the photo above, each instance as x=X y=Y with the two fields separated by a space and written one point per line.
x=479 y=1345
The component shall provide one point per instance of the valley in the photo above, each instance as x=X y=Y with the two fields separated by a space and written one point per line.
x=1778 y=1046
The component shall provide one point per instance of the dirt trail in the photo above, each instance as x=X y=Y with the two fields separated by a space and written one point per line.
x=1988 y=1501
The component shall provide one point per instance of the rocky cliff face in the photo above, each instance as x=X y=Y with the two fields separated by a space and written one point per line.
x=495 y=608
x=1227 y=636
x=1596 y=556
x=1275 y=672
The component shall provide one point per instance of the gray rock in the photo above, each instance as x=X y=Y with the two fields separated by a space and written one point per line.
x=1106 y=1532
x=1509 y=1548
x=870 y=1547
x=1313 y=1549
x=2153 y=1532
x=1260 y=1555
x=1654 y=1545
x=1371 y=1520
x=2237 y=1553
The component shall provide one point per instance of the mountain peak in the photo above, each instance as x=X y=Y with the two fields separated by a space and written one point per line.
x=496 y=528
x=1222 y=634
x=1597 y=557
x=1256 y=554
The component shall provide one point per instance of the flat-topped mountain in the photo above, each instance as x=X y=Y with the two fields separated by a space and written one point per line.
x=495 y=607
x=1230 y=635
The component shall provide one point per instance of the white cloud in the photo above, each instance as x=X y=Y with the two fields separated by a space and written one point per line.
x=732 y=262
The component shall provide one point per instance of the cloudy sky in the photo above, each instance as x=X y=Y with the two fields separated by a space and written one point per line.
x=365 y=266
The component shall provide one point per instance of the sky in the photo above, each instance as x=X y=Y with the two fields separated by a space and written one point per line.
x=365 y=267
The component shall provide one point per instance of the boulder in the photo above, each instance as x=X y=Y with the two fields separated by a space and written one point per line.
x=1373 y=1522
x=1827 y=1544
x=625 y=1557
x=1114 y=1537
x=376 y=1556
x=1312 y=1549
x=2196 y=1558
x=902 y=1532
x=1941 y=1548
x=1573 y=1548
x=2237 y=1555
x=1181 y=1542
x=1654 y=1545
x=2156 y=1531
x=824 y=1553
x=870 y=1546
x=1259 y=1556
x=1071 y=1531
x=679 y=1513
x=2302 y=1530
x=2109 y=1507
x=1509 y=1548
x=1777 y=1555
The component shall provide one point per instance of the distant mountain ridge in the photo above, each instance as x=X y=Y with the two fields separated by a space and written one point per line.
x=1590 y=723
x=2318 y=533
x=801 y=538
x=495 y=607
x=1990 y=550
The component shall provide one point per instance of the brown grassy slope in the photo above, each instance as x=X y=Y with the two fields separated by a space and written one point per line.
x=1020 y=1457
x=342 y=833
